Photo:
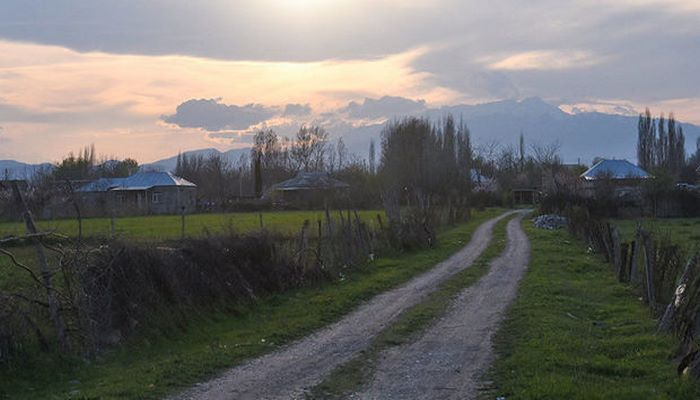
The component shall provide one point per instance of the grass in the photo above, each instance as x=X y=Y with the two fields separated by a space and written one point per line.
x=575 y=333
x=409 y=325
x=682 y=231
x=163 y=227
x=150 y=369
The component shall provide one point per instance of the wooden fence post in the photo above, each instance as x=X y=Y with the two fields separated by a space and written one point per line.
x=623 y=271
x=678 y=298
x=46 y=274
x=649 y=255
x=616 y=250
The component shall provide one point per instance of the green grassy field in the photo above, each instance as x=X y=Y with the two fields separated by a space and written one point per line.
x=575 y=333
x=163 y=227
x=152 y=368
x=683 y=231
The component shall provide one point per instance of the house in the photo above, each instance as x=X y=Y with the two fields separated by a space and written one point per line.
x=140 y=194
x=618 y=177
x=308 y=189
x=481 y=183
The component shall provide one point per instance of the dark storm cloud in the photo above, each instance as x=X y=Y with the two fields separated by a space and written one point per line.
x=212 y=115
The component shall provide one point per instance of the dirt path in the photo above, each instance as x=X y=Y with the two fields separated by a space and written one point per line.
x=448 y=360
x=286 y=373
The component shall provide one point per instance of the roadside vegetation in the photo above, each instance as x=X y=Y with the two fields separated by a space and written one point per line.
x=574 y=332
x=150 y=367
x=410 y=324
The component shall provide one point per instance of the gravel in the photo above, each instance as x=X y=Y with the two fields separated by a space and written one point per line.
x=290 y=371
x=447 y=362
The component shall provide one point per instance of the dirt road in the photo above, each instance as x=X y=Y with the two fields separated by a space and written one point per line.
x=287 y=373
x=448 y=360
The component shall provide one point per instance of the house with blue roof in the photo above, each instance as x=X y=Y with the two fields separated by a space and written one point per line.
x=619 y=176
x=143 y=193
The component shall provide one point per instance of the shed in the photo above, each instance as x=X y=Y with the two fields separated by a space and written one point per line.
x=309 y=189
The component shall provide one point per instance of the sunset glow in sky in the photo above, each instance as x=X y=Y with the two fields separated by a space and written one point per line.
x=111 y=73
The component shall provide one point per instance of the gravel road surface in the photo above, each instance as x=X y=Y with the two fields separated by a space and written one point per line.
x=288 y=372
x=448 y=360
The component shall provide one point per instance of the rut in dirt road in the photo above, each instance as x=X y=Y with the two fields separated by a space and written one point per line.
x=448 y=360
x=288 y=372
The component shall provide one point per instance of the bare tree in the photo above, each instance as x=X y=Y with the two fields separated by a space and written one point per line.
x=309 y=148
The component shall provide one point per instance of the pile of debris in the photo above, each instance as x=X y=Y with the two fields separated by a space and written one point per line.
x=549 y=221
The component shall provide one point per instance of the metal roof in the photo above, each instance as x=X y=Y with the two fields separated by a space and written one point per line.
x=310 y=181
x=615 y=169
x=138 y=181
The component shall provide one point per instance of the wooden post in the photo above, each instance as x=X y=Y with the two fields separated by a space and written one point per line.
x=649 y=256
x=616 y=249
x=182 y=223
x=46 y=275
x=622 y=272
x=262 y=224
x=678 y=298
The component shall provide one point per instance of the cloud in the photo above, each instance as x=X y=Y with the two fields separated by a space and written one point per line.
x=212 y=115
x=546 y=60
x=385 y=107
x=296 y=110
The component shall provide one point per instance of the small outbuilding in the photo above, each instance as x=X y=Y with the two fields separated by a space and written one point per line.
x=309 y=189
x=140 y=194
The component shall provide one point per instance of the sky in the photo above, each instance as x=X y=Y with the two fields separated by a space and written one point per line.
x=146 y=79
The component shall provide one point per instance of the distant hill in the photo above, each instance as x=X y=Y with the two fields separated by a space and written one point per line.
x=11 y=169
x=581 y=136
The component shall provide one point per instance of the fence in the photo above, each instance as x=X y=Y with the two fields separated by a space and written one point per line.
x=668 y=278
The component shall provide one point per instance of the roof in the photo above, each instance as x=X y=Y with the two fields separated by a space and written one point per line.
x=138 y=181
x=477 y=177
x=310 y=181
x=615 y=169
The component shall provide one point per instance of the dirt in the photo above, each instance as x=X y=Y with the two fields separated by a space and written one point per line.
x=448 y=360
x=290 y=371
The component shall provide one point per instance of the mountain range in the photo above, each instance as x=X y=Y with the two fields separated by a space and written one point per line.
x=581 y=136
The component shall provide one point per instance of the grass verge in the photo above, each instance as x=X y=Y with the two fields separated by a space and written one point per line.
x=575 y=333
x=153 y=369
x=409 y=325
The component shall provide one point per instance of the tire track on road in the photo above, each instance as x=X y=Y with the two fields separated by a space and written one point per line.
x=288 y=372
x=448 y=360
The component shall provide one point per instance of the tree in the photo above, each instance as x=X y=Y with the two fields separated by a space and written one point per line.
x=309 y=148
x=660 y=144
x=522 y=150
x=646 y=141
x=372 y=157
x=342 y=153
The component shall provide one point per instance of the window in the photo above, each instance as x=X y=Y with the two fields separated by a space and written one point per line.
x=156 y=197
